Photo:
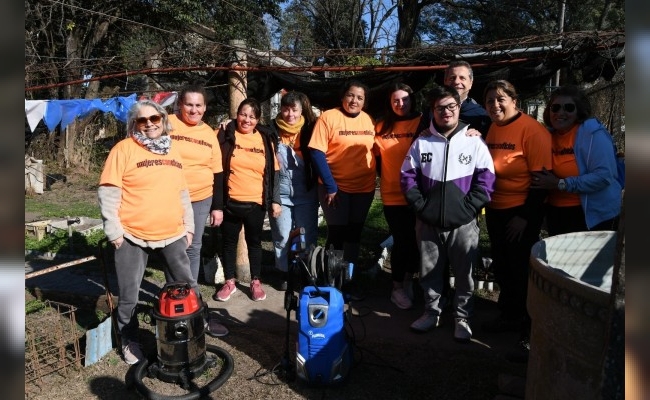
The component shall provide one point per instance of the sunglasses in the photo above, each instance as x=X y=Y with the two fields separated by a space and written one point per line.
x=153 y=118
x=568 y=107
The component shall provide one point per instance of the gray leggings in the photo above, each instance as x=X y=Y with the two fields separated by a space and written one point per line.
x=130 y=263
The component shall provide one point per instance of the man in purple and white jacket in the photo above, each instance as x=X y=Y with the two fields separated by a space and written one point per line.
x=447 y=178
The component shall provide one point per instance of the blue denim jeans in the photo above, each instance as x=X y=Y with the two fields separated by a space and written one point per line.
x=293 y=216
x=201 y=211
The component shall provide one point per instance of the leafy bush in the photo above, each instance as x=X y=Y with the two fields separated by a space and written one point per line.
x=34 y=305
x=59 y=242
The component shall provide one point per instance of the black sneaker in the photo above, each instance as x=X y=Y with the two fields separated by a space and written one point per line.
x=214 y=328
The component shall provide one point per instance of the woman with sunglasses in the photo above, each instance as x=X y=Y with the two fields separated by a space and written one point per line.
x=197 y=143
x=251 y=189
x=585 y=194
x=145 y=206
x=519 y=146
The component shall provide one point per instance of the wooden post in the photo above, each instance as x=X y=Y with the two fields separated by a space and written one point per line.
x=237 y=89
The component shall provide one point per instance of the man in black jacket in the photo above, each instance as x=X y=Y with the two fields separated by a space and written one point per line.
x=460 y=76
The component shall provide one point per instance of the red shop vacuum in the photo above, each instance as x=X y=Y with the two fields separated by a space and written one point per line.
x=182 y=353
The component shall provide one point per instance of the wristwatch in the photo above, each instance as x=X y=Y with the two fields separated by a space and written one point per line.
x=561 y=185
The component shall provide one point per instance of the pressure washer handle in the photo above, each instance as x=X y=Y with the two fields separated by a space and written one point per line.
x=177 y=290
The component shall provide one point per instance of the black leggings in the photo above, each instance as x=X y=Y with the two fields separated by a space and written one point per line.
x=253 y=222
x=404 y=255
x=511 y=259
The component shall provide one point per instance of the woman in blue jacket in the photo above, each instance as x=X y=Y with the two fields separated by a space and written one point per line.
x=298 y=180
x=585 y=192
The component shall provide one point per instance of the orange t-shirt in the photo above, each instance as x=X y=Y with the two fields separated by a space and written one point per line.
x=517 y=148
x=201 y=154
x=246 y=179
x=347 y=143
x=392 y=148
x=564 y=165
x=151 y=207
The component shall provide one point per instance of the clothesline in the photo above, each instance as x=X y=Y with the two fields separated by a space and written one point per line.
x=63 y=112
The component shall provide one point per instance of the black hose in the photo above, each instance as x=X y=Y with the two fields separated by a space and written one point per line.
x=218 y=381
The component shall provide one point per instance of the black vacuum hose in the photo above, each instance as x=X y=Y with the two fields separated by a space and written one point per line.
x=226 y=372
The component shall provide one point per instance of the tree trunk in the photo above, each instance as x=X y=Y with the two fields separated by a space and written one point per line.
x=408 y=15
x=238 y=84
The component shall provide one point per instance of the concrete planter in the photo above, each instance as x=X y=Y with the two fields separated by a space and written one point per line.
x=568 y=301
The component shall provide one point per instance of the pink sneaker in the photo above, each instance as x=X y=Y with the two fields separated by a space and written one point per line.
x=226 y=290
x=257 y=293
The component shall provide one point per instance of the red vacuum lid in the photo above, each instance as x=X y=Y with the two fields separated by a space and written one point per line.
x=178 y=299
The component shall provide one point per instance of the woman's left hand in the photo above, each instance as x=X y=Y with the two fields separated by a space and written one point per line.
x=216 y=217
x=189 y=236
x=276 y=210
x=543 y=179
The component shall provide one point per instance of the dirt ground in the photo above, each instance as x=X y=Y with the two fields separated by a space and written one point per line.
x=390 y=362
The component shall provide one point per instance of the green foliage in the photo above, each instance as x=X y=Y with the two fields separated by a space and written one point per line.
x=101 y=315
x=137 y=43
x=59 y=242
x=294 y=33
x=362 y=61
x=51 y=210
x=34 y=305
x=471 y=22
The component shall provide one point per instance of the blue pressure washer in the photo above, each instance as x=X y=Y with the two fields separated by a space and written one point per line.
x=323 y=350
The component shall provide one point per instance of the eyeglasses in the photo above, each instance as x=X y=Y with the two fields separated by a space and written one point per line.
x=568 y=107
x=153 y=118
x=450 y=107
x=247 y=116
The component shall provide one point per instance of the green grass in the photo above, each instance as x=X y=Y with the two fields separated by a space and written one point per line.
x=156 y=274
x=52 y=210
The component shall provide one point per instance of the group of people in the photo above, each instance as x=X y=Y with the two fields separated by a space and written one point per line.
x=438 y=170
x=522 y=173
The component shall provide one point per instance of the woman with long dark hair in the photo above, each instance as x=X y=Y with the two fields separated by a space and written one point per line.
x=250 y=191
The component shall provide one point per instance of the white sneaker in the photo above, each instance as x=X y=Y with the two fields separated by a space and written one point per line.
x=425 y=322
x=132 y=353
x=462 y=332
x=401 y=299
